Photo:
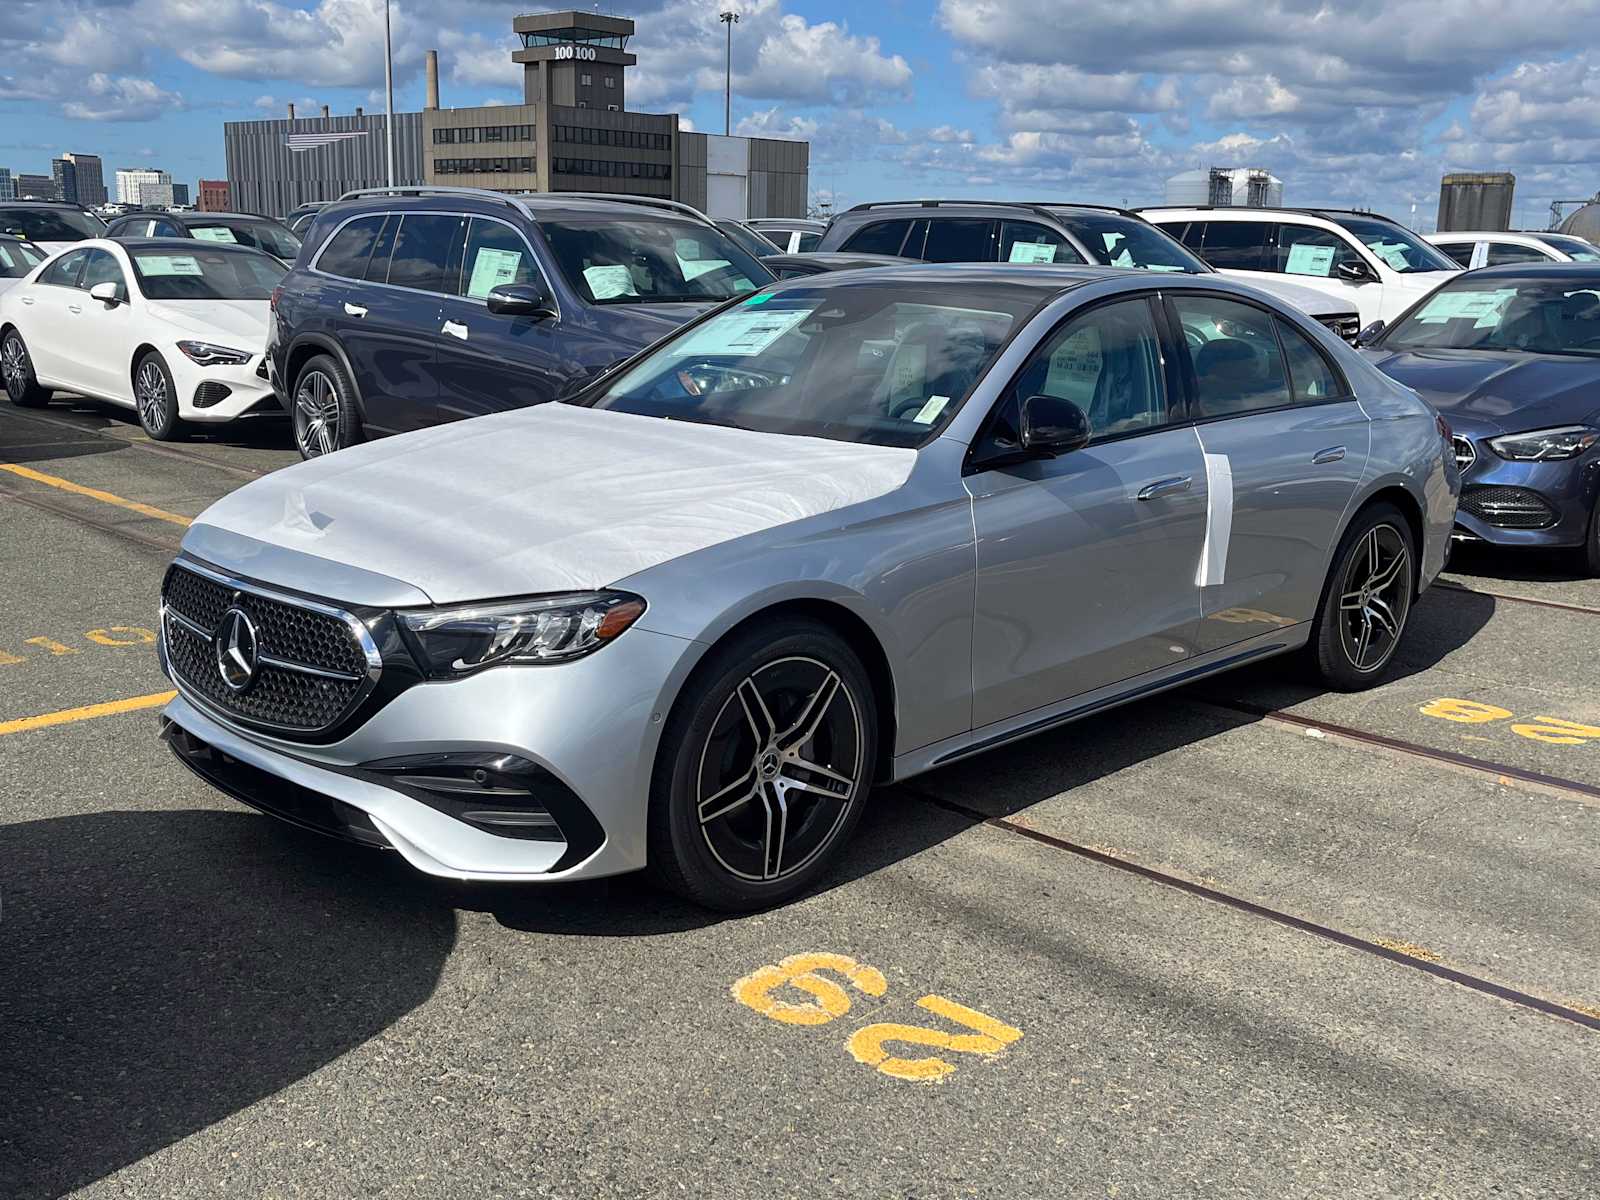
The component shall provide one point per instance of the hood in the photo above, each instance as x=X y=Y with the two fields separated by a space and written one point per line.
x=1499 y=391
x=240 y=323
x=1419 y=283
x=636 y=326
x=1312 y=301
x=53 y=247
x=546 y=499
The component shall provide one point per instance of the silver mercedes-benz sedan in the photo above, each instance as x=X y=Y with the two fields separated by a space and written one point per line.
x=835 y=533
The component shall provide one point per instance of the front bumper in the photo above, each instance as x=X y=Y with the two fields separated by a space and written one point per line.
x=1509 y=515
x=593 y=725
x=200 y=398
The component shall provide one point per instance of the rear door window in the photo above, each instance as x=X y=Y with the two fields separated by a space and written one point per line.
x=1461 y=252
x=808 y=241
x=960 y=239
x=422 y=251
x=1236 y=245
x=1026 y=242
x=1509 y=252
x=880 y=237
x=349 y=249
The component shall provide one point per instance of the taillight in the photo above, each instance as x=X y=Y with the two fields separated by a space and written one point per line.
x=276 y=292
x=1443 y=427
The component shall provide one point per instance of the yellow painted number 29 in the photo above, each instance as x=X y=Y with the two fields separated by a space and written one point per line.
x=870 y=1045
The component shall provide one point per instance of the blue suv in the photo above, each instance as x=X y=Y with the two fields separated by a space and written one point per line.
x=409 y=307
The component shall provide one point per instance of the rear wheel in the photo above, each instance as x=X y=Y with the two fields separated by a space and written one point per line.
x=157 y=398
x=324 y=409
x=22 y=385
x=1365 y=601
x=764 y=768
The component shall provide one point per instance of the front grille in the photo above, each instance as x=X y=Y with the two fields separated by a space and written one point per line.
x=1343 y=325
x=1508 y=507
x=211 y=392
x=315 y=663
x=1466 y=453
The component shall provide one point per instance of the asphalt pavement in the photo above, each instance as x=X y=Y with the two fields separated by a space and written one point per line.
x=1248 y=939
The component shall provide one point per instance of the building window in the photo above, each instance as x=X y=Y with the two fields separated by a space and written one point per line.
x=483 y=133
x=626 y=139
x=613 y=108
x=483 y=166
x=607 y=169
x=611 y=81
x=586 y=79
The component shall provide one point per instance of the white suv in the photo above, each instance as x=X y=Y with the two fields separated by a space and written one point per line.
x=1377 y=264
x=1491 y=248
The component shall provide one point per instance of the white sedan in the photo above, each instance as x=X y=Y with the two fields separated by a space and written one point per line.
x=173 y=329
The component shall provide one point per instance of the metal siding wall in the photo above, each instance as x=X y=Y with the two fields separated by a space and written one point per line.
x=264 y=176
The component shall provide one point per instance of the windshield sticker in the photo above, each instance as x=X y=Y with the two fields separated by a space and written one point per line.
x=929 y=412
x=215 y=233
x=1032 y=252
x=609 y=281
x=1393 y=253
x=758 y=298
x=169 y=264
x=1309 y=260
x=694 y=267
x=1478 y=306
x=741 y=333
x=491 y=268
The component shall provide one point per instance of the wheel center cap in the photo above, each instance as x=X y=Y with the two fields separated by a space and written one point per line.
x=767 y=765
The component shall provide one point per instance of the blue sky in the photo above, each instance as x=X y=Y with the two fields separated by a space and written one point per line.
x=1361 y=103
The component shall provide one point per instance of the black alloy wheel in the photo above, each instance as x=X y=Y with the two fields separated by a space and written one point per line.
x=22 y=386
x=770 y=759
x=1366 y=601
x=324 y=410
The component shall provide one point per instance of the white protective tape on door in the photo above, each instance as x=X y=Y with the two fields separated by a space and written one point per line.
x=1219 y=521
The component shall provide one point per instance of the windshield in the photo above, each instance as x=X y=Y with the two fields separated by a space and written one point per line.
x=261 y=235
x=644 y=260
x=206 y=274
x=883 y=364
x=1574 y=248
x=50 y=224
x=1118 y=241
x=1526 y=316
x=753 y=243
x=16 y=260
x=1397 y=247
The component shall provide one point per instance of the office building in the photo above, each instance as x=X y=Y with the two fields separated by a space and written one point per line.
x=214 y=196
x=88 y=178
x=180 y=193
x=37 y=187
x=135 y=183
x=65 y=176
x=572 y=132
x=8 y=185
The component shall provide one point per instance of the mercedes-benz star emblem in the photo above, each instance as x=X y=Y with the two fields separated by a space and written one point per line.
x=237 y=649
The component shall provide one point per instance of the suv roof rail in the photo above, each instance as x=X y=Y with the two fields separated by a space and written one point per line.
x=1324 y=213
x=678 y=206
x=430 y=189
x=1035 y=206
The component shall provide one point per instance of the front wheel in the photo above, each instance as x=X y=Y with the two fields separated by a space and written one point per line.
x=157 y=398
x=1587 y=558
x=764 y=768
x=1365 y=601
x=22 y=385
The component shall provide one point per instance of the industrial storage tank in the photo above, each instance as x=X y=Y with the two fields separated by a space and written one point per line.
x=1476 y=200
x=1191 y=188
x=1584 y=223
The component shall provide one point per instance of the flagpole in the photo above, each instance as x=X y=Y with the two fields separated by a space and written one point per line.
x=388 y=86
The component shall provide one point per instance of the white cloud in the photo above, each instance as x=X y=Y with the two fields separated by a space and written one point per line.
x=121 y=98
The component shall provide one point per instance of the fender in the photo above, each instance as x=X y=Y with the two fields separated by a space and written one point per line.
x=323 y=341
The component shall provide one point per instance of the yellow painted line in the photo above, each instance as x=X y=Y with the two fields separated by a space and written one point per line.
x=87 y=713
x=77 y=489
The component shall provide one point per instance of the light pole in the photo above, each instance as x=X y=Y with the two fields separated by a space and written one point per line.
x=730 y=19
x=388 y=87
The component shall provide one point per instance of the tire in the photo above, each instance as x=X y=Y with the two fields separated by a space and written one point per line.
x=22 y=385
x=1359 y=599
x=156 y=397
x=323 y=408
x=813 y=783
x=1587 y=557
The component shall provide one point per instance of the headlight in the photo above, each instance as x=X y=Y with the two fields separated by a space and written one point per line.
x=208 y=354
x=544 y=629
x=1543 y=445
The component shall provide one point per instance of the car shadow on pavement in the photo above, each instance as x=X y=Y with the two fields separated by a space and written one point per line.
x=268 y=429
x=160 y=971
x=1522 y=565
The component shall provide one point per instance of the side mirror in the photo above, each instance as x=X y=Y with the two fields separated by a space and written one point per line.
x=1371 y=333
x=107 y=293
x=1355 y=272
x=1052 y=426
x=521 y=300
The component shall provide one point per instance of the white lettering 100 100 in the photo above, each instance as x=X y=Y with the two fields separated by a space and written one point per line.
x=585 y=53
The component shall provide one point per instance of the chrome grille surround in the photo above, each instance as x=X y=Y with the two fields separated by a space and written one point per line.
x=1465 y=452
x=316 y=661
x=1342 y=325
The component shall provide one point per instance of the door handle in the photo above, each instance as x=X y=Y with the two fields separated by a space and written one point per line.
x=73 y=308
x=455 y=329
x=1166 y=487
x=355 y=310
x=28 y=300
x=1331 y=455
